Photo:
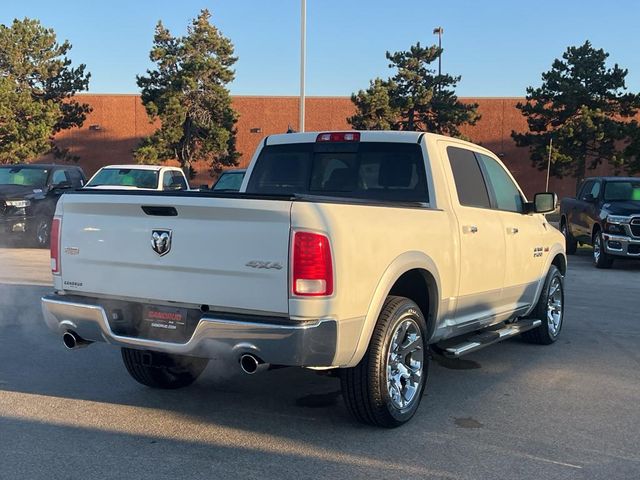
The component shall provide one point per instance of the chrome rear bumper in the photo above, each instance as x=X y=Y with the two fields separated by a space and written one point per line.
x=311 y=344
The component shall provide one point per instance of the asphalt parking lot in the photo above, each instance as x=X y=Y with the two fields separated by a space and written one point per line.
x=512 y=411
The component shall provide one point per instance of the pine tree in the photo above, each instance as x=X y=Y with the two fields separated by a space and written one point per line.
x=188 y=92
x=415 y=98
x=582 y=105
x=37 y=86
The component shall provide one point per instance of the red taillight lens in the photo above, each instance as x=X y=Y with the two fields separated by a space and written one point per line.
x=312 y=265
x=55 y=246
x=339 y=137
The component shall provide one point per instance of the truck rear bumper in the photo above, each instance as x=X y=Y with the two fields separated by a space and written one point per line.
x=621 y=245
x=309 y=344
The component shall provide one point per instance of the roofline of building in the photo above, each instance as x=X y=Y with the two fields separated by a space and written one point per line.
x=83 y=94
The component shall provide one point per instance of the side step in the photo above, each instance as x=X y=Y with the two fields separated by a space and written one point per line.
x=485 y=338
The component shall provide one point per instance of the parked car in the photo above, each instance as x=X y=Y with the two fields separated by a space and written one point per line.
x=28 y=196
x=139 y=177
x=357 y=252
x=606 y=215
x=230 y=181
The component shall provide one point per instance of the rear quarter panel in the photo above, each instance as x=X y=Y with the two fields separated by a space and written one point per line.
x=372 y=246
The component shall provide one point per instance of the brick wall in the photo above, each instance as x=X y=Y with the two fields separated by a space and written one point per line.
x=118 y=123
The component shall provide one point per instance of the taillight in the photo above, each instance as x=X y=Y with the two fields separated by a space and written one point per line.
x=55 y=246
x=338 y=137
x=312 y=265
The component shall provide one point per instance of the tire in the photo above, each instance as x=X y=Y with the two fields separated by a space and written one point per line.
x=367 y=387
x=42 y=233
x=162 y=370
x=601 y=259
x=549 y=309
x=571 y=244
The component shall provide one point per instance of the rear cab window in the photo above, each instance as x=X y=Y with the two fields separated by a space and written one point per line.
x=125 y=177
x=378 y=171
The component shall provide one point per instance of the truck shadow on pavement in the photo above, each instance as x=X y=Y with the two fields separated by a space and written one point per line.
x=228 y=421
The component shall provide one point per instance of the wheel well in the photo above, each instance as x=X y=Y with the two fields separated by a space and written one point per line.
x=561 y=263
x=419 y=286
x=596 y=229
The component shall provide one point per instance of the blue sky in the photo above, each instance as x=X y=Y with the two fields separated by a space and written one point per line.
x=499 y=47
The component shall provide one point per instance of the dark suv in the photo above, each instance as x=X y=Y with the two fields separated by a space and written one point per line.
x=28 y=197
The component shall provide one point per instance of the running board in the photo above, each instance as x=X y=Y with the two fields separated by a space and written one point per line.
x=485 y=338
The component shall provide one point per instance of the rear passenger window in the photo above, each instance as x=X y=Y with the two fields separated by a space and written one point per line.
x=470 y=186
x=59 y=176
x=586 y=189
x=178 y=181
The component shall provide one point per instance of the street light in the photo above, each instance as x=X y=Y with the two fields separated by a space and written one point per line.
x=303 y=52
x=439 y=31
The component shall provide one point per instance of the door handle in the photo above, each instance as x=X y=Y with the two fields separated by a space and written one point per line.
x=470 y=229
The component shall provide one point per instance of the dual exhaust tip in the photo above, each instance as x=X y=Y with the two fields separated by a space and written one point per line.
x=73 y=341
x=249 y=363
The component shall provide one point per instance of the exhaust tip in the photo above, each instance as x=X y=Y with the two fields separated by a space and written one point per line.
x=249 y=363
x=70 y=340
x=73 y=341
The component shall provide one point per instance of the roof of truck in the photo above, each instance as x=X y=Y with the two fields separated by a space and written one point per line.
x=366 y=136
x=143 y=167
x=612 y=179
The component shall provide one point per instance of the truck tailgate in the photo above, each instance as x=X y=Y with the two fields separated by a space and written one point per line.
x=228 y=253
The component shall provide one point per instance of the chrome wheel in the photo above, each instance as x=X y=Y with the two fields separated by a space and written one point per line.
x=597 y=248
x=405 y=364
x=42 y=233
x=554 y=307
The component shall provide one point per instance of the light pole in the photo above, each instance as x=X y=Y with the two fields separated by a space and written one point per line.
x=546 y=188
x=439 y=31
x=303 y=53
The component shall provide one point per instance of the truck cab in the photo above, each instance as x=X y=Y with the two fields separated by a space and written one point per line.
x=606 y=215
x=28 y=197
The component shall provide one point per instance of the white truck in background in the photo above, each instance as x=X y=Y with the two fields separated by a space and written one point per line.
x=138 y=177
x=358 y=252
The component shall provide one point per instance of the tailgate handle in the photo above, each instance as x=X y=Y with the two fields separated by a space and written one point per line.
x=159 y=211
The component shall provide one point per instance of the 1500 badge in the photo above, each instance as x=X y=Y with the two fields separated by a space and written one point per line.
x=537 y=252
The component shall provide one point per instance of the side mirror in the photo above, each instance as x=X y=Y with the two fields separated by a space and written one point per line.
x=61 y=186
x=589 y=198
x=545 y=202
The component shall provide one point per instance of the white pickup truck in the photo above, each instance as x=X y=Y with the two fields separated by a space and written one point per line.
x=138 y=177
x=357 y=252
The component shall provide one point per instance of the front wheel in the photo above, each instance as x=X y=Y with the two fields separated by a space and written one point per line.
x=549 y=309
x=162 y=370
x=386 y=387
x=601 y=259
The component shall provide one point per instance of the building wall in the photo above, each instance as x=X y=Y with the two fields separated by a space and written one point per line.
x=118 y=123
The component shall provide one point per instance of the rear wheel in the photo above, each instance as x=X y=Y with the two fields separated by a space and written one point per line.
x=570 y=242
x=162 y=370
x=549 y=309
x=601 y=259
x=386 y=387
